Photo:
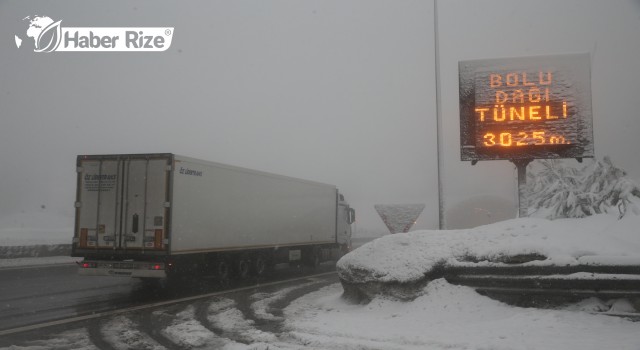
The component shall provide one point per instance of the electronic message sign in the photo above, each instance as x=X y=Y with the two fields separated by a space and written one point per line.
x=526 y=108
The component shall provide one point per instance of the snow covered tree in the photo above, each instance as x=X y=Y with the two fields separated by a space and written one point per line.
x=558 y=191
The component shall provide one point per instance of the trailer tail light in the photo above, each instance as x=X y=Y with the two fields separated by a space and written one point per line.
x=84 y=236
x=158 y=239
x=155 y=266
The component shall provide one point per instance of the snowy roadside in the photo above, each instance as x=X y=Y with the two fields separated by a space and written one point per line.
x=37 y=261
x=450 y=317
x=22 y=247
x=35 y=255
x=444 y=317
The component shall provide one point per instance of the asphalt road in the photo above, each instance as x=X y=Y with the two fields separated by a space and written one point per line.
x=50 y=302
x=46 y=293
x=30 y=296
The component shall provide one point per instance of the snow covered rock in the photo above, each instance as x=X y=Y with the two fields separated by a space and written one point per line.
x=401 y=265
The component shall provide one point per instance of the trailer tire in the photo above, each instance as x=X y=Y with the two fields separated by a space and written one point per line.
x=242 y=268
x=313 y=258
x=259 y=265
x=315 y=263
x=222 y=270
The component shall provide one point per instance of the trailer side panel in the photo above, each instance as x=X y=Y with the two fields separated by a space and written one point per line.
x=217 y=207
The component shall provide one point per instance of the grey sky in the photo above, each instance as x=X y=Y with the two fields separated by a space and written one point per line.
x=341 y=92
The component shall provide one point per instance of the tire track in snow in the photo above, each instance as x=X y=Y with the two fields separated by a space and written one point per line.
x=188 y=333
x=269 y=305
x=267 y=309
x=152 y=323
x=223 y=314
x=124 y=334
x=241 y=320
x=216 y=306
x=95 y=335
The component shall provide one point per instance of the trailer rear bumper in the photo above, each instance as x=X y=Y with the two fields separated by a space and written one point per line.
x=122 y=269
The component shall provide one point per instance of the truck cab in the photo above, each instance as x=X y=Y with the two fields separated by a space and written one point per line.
x=346 y=217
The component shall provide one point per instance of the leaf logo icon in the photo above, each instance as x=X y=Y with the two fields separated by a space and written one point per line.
x=49 y=38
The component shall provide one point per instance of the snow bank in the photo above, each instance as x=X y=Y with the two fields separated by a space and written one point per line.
x=408 y=257
x=30 y=251
x=51 y=260
x=450 y=317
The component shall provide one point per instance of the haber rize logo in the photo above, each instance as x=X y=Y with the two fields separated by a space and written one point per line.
x=49 y=36
x=44 y=31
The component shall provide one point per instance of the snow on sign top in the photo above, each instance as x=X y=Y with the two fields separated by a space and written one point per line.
x=526 y=108
x=399 y=217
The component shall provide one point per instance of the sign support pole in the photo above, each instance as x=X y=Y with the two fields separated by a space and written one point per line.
x=439 y=155
x=521 y=166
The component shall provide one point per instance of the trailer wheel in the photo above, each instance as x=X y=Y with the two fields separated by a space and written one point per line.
x=315 y=263
x=222 y=270
x=313 y=257
x=242 y=268
x=259 y=265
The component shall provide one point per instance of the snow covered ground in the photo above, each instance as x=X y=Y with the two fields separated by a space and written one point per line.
x=444 y=316
x=450 y=317
x=49 y=260
x=29 y=243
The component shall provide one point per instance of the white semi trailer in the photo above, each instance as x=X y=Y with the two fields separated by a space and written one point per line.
x=156 y=216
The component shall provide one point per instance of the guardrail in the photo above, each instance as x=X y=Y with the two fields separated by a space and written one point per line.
x=547 y=286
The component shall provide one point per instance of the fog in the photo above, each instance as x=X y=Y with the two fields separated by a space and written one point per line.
x=340 y=92
x=481 y=29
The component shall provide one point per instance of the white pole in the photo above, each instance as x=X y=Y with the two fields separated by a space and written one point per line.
x=441 y=223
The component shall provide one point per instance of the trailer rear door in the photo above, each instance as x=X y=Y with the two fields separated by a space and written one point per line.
x=123 y=202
